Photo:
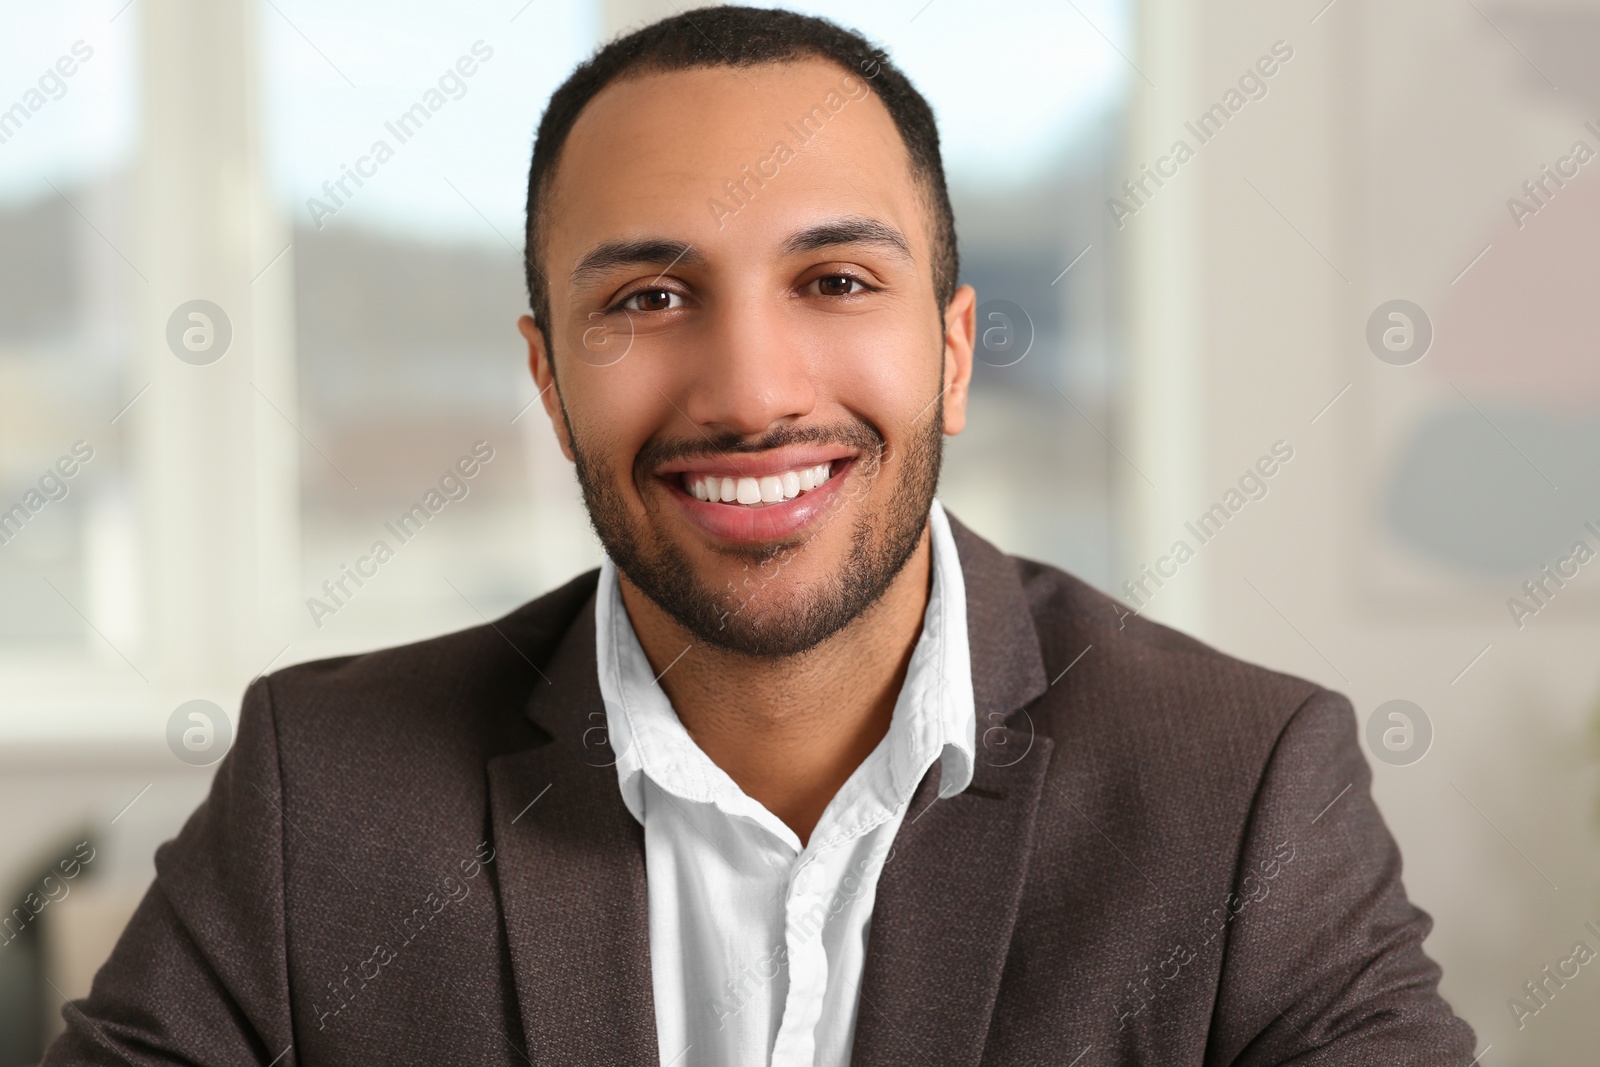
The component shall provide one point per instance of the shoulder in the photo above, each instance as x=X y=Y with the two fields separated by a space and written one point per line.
x=1145 y=658
x=1132 y=697
x=1182 y=755
x=468 y=687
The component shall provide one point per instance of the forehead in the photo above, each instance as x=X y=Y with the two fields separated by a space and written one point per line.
x=724 y=157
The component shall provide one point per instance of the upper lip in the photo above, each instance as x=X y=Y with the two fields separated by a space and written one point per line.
x=756 y=464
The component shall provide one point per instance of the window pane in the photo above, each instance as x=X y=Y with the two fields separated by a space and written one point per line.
x=67 y=125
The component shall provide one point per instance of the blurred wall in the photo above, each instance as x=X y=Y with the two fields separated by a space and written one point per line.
x=1429 y=482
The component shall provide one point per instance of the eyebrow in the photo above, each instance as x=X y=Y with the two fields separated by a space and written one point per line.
x=666 y=252
x=850 y=230
x=650 y=251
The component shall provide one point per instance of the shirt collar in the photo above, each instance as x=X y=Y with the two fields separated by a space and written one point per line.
x=934 y=715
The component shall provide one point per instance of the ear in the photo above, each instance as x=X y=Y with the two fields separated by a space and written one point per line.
x=544 y=377
x=960 y=335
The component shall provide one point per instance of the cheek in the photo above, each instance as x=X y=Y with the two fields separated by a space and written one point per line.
x=614 y=410
x=882 y=367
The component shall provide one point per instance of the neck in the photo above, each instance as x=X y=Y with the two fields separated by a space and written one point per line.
x=791 y=730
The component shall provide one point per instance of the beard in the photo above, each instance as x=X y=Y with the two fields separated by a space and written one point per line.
x=760 y=615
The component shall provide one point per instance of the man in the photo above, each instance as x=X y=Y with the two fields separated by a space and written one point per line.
x=807 y=772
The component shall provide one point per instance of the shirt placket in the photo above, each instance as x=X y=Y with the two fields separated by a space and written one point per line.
x=808 y=965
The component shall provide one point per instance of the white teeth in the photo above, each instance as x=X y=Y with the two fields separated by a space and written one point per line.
x=771 y=489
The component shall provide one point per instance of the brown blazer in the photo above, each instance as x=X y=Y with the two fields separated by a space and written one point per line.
x=420 y=856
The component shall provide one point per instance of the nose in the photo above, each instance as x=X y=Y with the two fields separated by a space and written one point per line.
x=752 y=373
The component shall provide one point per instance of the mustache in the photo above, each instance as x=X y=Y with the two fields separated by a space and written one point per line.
x=859 y=435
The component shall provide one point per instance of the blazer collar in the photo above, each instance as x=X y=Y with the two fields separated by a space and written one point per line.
x=1007 y=665
x=570 y=862
x=948 y=897
x=572 y=873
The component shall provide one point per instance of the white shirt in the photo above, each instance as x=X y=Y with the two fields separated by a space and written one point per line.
x=756 y=944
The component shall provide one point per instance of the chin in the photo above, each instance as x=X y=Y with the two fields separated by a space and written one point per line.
x=765 y=632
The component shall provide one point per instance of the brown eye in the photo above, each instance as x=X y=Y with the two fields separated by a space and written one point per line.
x=650 y=300
x=836 y=285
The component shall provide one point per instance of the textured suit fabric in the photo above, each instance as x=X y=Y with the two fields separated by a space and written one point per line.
x=420 y=855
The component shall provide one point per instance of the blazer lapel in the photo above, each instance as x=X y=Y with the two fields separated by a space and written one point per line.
x=570 y=862
x=947 y=899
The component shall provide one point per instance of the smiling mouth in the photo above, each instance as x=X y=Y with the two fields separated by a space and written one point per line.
x=757 y=492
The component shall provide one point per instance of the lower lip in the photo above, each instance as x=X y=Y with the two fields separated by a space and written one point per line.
x=747 y=525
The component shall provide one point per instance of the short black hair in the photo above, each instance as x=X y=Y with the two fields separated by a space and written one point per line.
x=731 y=36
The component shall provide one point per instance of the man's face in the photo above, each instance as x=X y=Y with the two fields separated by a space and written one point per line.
x=754 y=373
